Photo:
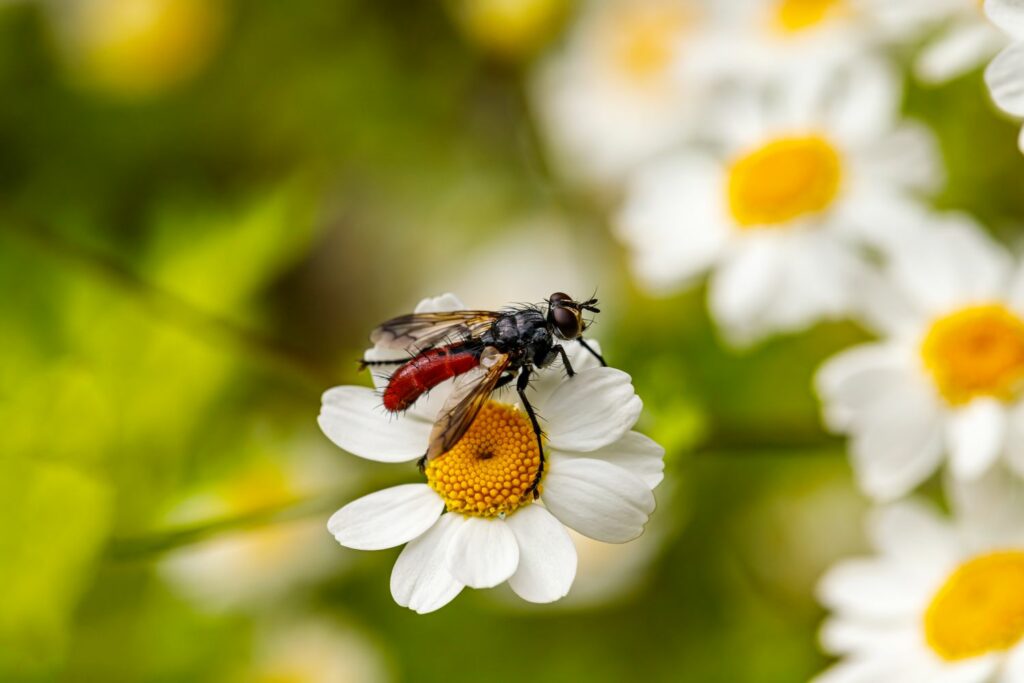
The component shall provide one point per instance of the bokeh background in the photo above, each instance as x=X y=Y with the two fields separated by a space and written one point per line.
x=200 y=221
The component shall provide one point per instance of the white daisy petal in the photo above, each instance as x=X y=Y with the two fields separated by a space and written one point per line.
x=420 y=579
x=483 y=552
x=353 y=418
x=634 y=452
x=976 y=434
x=956 y=53
x=547 y=556
x=871 y=588
x=912 y=533
x=1005 y=79
x=1007 y=15
x=386 y=518
x=840 y=635
x=870 y=670
x=597 y=499
x=1013 y=668
x=742 y=289
x=592 y=409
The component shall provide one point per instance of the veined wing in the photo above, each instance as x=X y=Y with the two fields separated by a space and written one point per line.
x=468 y=396
x=418 y=332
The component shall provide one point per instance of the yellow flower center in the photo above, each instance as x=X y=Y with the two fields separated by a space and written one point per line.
x=783 y=180
x=977 y=351
x=644 y=38
x=793 y=16
x=979 y=609
x=490 y=470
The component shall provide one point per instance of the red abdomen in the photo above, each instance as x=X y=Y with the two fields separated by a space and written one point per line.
x=424 y=372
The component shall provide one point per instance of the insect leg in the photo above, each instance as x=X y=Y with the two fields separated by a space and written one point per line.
x=594 y=353
x=521 y=384
x=504 y=380
x=565 y=359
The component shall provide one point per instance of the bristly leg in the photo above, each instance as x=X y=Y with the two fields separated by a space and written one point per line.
x=521 y=384
x=595 y=354
x=565 y=359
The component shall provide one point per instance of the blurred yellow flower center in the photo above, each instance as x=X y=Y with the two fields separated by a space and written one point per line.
x=979 y=609
x=136 y=47
x=490 y=470
x=645 y=38
x=977 y=351
x=793 y=16
x=783 y=180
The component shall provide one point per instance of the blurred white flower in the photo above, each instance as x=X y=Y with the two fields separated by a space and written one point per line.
x=947 y=375
x=474 y=522
x=1005 y=75
x=315 y=650
x=616 y=95
x=940 y=601
x=796 y=179
x=250 y=566
x=957 y=36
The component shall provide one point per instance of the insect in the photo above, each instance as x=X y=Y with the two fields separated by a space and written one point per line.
x=485 y=350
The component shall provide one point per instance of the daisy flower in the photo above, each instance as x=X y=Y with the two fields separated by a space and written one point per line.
x=1005 y=75
x=615 y=96
x=253 y=565
x=947 y=374
x=474 y=521
x=303 y=649
x=940 y=600
x=795 y=177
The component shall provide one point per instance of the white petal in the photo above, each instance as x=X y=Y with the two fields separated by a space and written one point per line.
x=635 y=453
x=547 y=556
x=483 y=552
x=976 y=435
x=597 y=499
x=742 y=289
x=420 y=579
x=1013 y=668
x=891 y=457
x=977 y=670
x=438 y=304
x=354 y=419
x=1020 y=140
x=988 y=509
x=593 y=409
x=842 y=635
x=905 y=157
x=872 y=588
x=672 y=221
x=1007 y=15
x=850 y=382
x=1005 y=78
x=386 y=518
x=914 y=534
x=872 y=670
x=960 y=50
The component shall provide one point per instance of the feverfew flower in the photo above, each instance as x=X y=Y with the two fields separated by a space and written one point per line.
x=1005 y=75
x=796 y=178
x=940 y=600
x=615 y=95
x=474 y=521
x=946 y=377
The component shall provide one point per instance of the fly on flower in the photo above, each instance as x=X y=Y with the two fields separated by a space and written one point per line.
x=496 y=504
x=485 y=350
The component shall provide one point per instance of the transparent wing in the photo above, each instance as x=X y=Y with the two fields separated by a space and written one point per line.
x=468 y=396
x=418 y=332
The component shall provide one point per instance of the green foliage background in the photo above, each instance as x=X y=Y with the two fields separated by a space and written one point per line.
x=182 y=276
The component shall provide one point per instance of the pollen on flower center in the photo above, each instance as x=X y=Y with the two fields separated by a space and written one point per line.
x=979 y=609
x=792 y=16
x=977 y=351
x=491 y=469
x=782 y=180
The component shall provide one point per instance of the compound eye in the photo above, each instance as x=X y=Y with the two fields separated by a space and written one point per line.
x=567 y=322
x=557 y=298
